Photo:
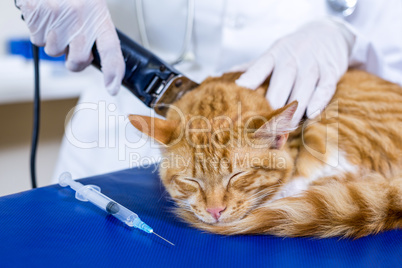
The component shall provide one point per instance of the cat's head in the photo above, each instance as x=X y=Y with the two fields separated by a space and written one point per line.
x=223 y=151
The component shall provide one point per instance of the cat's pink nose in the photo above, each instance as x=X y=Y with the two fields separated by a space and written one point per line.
x=216 y=212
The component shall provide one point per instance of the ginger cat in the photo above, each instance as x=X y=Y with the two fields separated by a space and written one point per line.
x=235 y=166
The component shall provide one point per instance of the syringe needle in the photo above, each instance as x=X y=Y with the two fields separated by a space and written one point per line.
x=163 y=238
x=93 y=194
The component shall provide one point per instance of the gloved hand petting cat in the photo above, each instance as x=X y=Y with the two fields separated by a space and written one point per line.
x=305 y=66
x=72 y=27
x=234 y=165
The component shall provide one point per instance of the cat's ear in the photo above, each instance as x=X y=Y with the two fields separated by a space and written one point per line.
x=159 y=129
x=276 y=130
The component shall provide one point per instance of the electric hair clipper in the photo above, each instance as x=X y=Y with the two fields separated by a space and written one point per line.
x=154 y=82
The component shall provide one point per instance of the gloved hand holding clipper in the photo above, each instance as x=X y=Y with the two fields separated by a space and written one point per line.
x=73 y=27
x=305 y=66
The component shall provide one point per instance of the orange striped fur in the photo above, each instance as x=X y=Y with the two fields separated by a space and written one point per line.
x=339 y=174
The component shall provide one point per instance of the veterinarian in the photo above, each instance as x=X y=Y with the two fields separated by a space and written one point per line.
x=306 y=45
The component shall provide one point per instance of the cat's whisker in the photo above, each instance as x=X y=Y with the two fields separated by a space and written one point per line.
x=260 y=195
x=257 y=200
x=163 y=194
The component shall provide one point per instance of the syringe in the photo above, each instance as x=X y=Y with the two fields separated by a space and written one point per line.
x=92 y=193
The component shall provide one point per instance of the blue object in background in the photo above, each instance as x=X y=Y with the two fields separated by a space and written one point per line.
x=23 y=47
x=48 y=227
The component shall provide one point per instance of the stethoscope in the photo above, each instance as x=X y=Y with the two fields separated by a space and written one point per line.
x=186 y=54
x=342 y=8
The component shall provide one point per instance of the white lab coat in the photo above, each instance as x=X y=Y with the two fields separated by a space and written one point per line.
x=99 y=139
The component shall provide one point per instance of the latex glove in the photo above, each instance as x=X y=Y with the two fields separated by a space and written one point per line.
x=305 y=66
x=72 y=27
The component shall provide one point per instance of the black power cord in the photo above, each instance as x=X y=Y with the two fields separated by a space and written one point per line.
x=36 y=111
x=36 y=117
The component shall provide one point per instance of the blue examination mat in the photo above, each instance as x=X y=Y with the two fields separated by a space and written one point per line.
x=48 y=227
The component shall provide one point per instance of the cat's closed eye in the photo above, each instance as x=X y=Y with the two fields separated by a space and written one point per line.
x=234 y=177
x=193 y=181
x=186 y=184
x=236 y=174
